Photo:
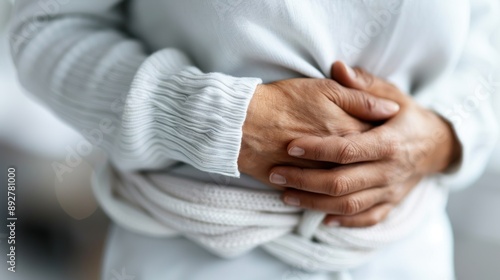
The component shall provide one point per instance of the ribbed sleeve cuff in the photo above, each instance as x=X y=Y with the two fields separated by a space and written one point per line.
x=174 y=111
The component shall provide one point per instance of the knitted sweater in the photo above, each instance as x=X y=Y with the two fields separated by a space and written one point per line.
x=170 y=81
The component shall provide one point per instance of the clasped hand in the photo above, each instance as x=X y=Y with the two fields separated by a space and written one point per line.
x=352 y=147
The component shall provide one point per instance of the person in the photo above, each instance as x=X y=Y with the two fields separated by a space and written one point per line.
x=224 y=120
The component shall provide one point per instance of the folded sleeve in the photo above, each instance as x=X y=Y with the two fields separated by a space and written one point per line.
x=145 y=110
x=466 y=98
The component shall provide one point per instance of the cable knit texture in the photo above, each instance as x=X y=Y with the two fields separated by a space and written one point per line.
x=230 y=221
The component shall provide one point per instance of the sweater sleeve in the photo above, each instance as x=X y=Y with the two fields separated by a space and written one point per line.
x=145 y=110
x=466 y=99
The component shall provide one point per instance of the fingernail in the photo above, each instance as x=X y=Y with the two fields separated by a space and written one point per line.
x=389 y=107
x=277 y=179
x=352 y=74
x=333 y=223
x=296 y=152
x=293 y=201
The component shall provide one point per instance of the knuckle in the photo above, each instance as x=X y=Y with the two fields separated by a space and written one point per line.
x=339 y=186
x=348 y=152
x=370 y=103
x=390 y=193
x=386 y=177
x=331 y=89
x=398 y=193
x=329 y=84
x=349 y=99
x=361 y=182
x=392 y=146
x=350 y=206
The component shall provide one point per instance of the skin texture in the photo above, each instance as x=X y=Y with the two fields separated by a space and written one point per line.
x=377 y=167
x=286 y=110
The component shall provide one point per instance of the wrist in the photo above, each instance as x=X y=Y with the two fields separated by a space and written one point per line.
x=449 y=147
x=250 y=126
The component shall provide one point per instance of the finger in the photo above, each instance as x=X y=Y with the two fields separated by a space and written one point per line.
x=367 y=218
x=360 y=79
x=364 y=106
x=338 y=181
x=344 y=205
x=375 y=144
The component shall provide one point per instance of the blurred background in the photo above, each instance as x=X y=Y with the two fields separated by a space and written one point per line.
x=61 y=231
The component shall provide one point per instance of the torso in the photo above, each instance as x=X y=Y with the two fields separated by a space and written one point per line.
x=406 y=41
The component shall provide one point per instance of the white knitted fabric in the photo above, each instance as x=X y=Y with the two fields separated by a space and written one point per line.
x=229 y=221
x=160 y=87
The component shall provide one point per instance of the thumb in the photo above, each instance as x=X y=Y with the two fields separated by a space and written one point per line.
x=362 y=105
x=360 y=79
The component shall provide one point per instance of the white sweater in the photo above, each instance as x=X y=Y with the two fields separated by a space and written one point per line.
x=169 y=81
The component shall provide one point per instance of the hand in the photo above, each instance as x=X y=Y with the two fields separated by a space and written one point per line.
x=381 y=165
x=285 y=110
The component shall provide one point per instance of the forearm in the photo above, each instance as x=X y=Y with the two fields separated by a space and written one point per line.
x=144 y=110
